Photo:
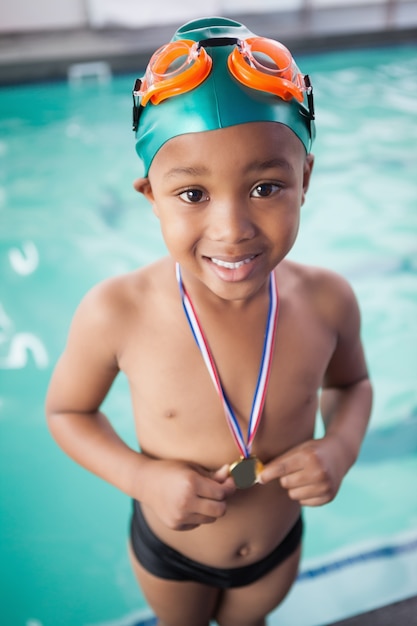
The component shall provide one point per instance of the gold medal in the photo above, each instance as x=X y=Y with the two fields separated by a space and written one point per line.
x=245 y=472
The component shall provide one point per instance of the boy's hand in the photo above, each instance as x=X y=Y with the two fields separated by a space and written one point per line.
x=184 y=495
x=311 y=472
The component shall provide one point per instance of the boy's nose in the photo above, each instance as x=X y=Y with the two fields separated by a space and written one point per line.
x=231 y=222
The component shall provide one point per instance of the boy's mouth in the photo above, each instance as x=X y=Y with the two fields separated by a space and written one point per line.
x=231 y=265
x=233 y=271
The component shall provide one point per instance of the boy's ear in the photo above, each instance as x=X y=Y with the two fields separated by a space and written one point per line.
x=308 y=168
x=143 y=186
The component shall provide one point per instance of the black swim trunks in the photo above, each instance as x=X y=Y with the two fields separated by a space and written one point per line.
x=165 y=562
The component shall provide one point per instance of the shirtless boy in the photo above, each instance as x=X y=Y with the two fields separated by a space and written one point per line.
x=223 y=323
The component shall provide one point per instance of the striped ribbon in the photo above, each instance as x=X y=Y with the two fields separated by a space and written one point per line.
x=264 y=369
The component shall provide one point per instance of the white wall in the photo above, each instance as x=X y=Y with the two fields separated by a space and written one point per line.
x=137 y=13
x=23 y=15
x=127 y=12
x=27 y=15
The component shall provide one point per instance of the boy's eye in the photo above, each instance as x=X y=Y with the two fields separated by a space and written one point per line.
x=264 y=190
x=193 y=195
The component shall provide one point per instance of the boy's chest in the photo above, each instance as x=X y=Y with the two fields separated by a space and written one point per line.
x=178 y=407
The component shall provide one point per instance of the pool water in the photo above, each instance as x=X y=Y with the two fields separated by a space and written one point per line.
x=69 y=218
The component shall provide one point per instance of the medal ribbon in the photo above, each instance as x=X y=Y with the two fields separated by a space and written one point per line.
x=264 y=369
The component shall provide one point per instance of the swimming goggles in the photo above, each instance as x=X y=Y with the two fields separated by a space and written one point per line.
x=256 y=62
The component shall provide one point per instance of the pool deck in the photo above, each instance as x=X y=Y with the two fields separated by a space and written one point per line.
x=35 y=56
x=399 y=614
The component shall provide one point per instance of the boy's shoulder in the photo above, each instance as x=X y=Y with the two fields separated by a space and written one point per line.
x=121 y=295
x=137 y=283
x=324 y=289
x=311 y=276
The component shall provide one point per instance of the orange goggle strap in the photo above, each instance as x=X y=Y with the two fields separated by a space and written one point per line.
x=284 y=82
x=160 y=83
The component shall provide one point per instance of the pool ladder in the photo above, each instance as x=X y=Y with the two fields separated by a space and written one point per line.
x=97 y=71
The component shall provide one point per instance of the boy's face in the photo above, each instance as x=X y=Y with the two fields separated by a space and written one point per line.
x=229 y=202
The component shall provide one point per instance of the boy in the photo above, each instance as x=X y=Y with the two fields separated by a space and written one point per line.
x=225 y=343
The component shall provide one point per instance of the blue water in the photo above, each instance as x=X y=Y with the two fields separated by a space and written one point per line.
x=69 y=218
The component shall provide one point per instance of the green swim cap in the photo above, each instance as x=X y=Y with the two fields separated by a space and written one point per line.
x=219 y=101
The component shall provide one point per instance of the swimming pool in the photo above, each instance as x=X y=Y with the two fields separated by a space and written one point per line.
x=69 y=218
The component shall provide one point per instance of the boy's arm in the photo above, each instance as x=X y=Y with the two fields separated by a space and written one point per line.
x=79 y=384
x=313 y=471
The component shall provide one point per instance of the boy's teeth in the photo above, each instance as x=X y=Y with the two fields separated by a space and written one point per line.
x=231 y=266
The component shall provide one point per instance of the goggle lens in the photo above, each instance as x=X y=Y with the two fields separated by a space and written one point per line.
x=274 y=60
x=175 y=68
x=267 y=65
x=171 y=60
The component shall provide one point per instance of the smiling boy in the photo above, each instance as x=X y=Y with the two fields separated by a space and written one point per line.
x=229 y=348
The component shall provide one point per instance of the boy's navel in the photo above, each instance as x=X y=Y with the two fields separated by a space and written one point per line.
x=244 y=550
